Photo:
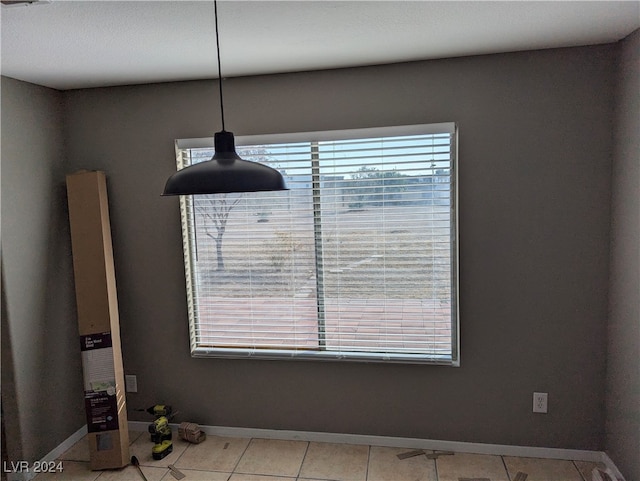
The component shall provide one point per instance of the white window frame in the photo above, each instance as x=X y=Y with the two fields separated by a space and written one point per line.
x=298 y=354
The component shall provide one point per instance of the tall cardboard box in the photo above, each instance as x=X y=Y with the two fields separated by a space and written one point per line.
x=98 y=320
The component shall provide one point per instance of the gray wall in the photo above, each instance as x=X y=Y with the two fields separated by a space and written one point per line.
x=623 y=362
x=41 y=369
x=535 y=164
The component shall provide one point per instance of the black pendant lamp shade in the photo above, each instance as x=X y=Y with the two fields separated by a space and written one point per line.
x=225 y=172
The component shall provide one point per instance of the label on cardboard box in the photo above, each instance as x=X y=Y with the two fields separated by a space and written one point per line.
x=101 y=404
x=102 y=412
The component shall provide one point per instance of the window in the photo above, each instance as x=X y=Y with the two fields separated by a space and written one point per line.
x=356 y=261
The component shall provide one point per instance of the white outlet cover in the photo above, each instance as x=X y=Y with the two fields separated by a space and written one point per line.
x=131 y=383
x=540 y=402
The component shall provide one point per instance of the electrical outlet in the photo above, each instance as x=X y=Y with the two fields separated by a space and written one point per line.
x=540 y=402
x=131 y=383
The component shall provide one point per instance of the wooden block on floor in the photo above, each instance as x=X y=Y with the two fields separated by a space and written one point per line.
x=410 y=454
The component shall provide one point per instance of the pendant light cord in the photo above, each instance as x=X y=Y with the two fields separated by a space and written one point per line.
x=215 y=14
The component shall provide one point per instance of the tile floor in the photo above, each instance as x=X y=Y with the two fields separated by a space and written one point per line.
x=243 y=459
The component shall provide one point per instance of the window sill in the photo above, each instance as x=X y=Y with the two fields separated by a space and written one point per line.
x=312 y=355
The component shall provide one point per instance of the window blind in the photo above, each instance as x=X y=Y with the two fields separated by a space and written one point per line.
x=357 y=260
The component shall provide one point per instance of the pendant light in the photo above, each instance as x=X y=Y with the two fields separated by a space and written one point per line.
x=226 y=172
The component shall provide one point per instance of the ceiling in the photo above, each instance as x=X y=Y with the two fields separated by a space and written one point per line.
x=76 y=44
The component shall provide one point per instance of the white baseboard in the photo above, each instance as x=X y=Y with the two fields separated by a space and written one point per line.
x=397 y=442
x=54 y=454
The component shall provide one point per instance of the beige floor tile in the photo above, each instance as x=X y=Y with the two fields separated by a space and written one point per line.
x=78 y=452
x=71 y=471
x=214 y=454
x=134 y=435
x=543 y=469
x=464 y=465
x=258 y=477
x=339 y=462
x=272 y=457
x=141 y=449
x=384 y=465
x=130 y=473
x=586 y=468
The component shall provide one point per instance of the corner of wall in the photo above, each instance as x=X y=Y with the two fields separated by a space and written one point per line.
x=622 y=426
